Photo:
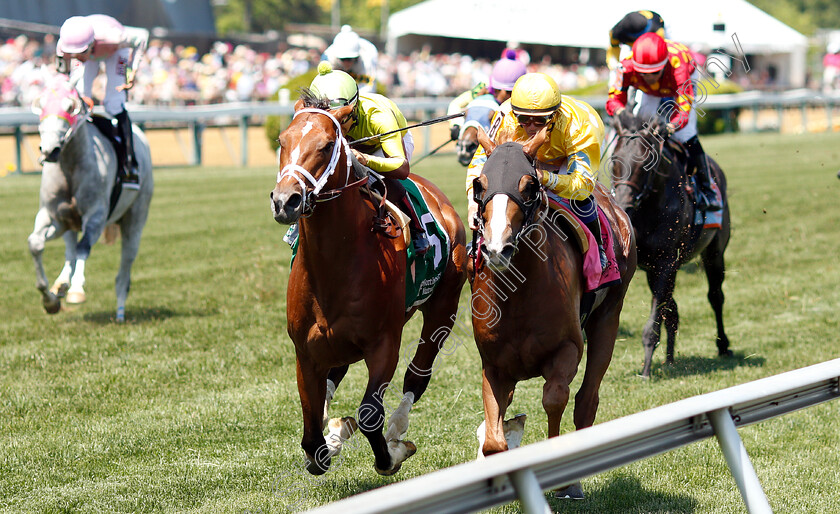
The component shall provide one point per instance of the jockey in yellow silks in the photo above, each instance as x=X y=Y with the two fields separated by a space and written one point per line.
x=568 y=161
x=389 y=154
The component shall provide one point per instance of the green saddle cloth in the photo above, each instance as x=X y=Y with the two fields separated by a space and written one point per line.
x=422 y=272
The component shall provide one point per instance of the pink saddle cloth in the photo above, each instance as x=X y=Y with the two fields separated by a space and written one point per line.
x=594 y=277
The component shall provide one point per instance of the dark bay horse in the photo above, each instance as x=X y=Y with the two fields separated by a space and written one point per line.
x=77 y=195
x=477 y=116
x=527 y=297
x=346 y=293
x=651 y=184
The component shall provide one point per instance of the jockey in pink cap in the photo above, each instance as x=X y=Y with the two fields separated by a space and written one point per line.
x=97 y=39
x=504 y=75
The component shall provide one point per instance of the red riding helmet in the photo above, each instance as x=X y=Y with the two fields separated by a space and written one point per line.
x=650 y=53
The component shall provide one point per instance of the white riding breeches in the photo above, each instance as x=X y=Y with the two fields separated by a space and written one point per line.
x=650 y=104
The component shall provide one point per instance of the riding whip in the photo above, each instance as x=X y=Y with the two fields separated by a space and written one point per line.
x=421 y=124
x=433 y=151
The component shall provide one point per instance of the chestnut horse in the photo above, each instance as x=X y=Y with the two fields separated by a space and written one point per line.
x=652 y=186
x=346 y=293
x=527 y=297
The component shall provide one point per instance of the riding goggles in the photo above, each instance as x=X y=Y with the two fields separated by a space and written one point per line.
x=527 y=119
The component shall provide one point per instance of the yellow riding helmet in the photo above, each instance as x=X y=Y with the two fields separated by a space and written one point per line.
x=535 y=94
x=335 y=85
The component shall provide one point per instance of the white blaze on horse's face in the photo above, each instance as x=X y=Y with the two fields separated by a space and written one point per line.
x=52 y=130
x=498 y=245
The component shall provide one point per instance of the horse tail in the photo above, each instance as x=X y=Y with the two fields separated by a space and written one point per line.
x=69 y=216
x=112 y=233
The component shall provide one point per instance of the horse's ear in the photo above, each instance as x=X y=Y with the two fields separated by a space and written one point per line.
x=75 y=106
x=484 y=140
x=530 y=148
x=299 y=104
x=36 y=106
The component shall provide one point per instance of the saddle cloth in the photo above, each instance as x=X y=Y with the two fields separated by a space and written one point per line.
x=595 y=278
x=422 y=272
x=707 y=219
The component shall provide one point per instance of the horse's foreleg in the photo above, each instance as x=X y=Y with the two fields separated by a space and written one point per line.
x=671 y=317
x=311 y=383
x=62 y=282
x=334 y=378
x=388 y=455
x=558 y=374
x=44 y=230
x=92 y=226
x=661 y=285
x=715 y=272
x=497 y=393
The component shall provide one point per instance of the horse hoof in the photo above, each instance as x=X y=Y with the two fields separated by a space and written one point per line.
x=60 y=290
x=725 y=353
x=572 y=492
x=314 y=468
x=52 y=306
x=76 y=297
x=388 y=472
x=400 y=452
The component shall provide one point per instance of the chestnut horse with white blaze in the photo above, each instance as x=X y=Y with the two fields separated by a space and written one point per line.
x=347 y=289
x=527 y=298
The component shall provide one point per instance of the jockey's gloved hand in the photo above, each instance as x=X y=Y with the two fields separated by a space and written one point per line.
x=665 y=129
x=624 y=118
x=472 y=214
x=454 y=132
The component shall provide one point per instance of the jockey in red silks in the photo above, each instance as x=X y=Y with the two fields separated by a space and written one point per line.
x=97 y=39
x=665 y=72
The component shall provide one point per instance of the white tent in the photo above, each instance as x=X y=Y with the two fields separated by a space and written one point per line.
x=586 y=24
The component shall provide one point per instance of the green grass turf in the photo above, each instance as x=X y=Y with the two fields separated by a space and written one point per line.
x=192 y=406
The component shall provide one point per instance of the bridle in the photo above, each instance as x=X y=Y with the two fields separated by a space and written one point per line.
x=74 y=120
x=529 y=208
x=313 y=195
x=641 y=192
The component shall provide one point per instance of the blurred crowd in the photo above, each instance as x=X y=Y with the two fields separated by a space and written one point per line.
x=180 y=75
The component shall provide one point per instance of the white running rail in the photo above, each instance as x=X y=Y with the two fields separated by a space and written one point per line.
x=526 y=472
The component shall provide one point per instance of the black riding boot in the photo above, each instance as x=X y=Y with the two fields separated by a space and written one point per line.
x=130 y=163
x=595 y=228
x=706 y=196
x=398 y=195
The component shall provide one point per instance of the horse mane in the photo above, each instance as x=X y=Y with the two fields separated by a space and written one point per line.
x=312 y=100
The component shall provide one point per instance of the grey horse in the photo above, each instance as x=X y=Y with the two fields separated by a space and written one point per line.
x=78 y=177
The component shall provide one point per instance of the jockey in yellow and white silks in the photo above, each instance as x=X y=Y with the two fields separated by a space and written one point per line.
x=568 y=161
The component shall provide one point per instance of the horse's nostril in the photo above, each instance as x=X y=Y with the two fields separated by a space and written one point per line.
x=293 y=202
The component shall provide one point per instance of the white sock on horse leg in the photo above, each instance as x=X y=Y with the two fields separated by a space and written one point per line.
x=481 y=434
x=341 y=429
x=514 y=430
x=327 y=400
x=398 y=424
